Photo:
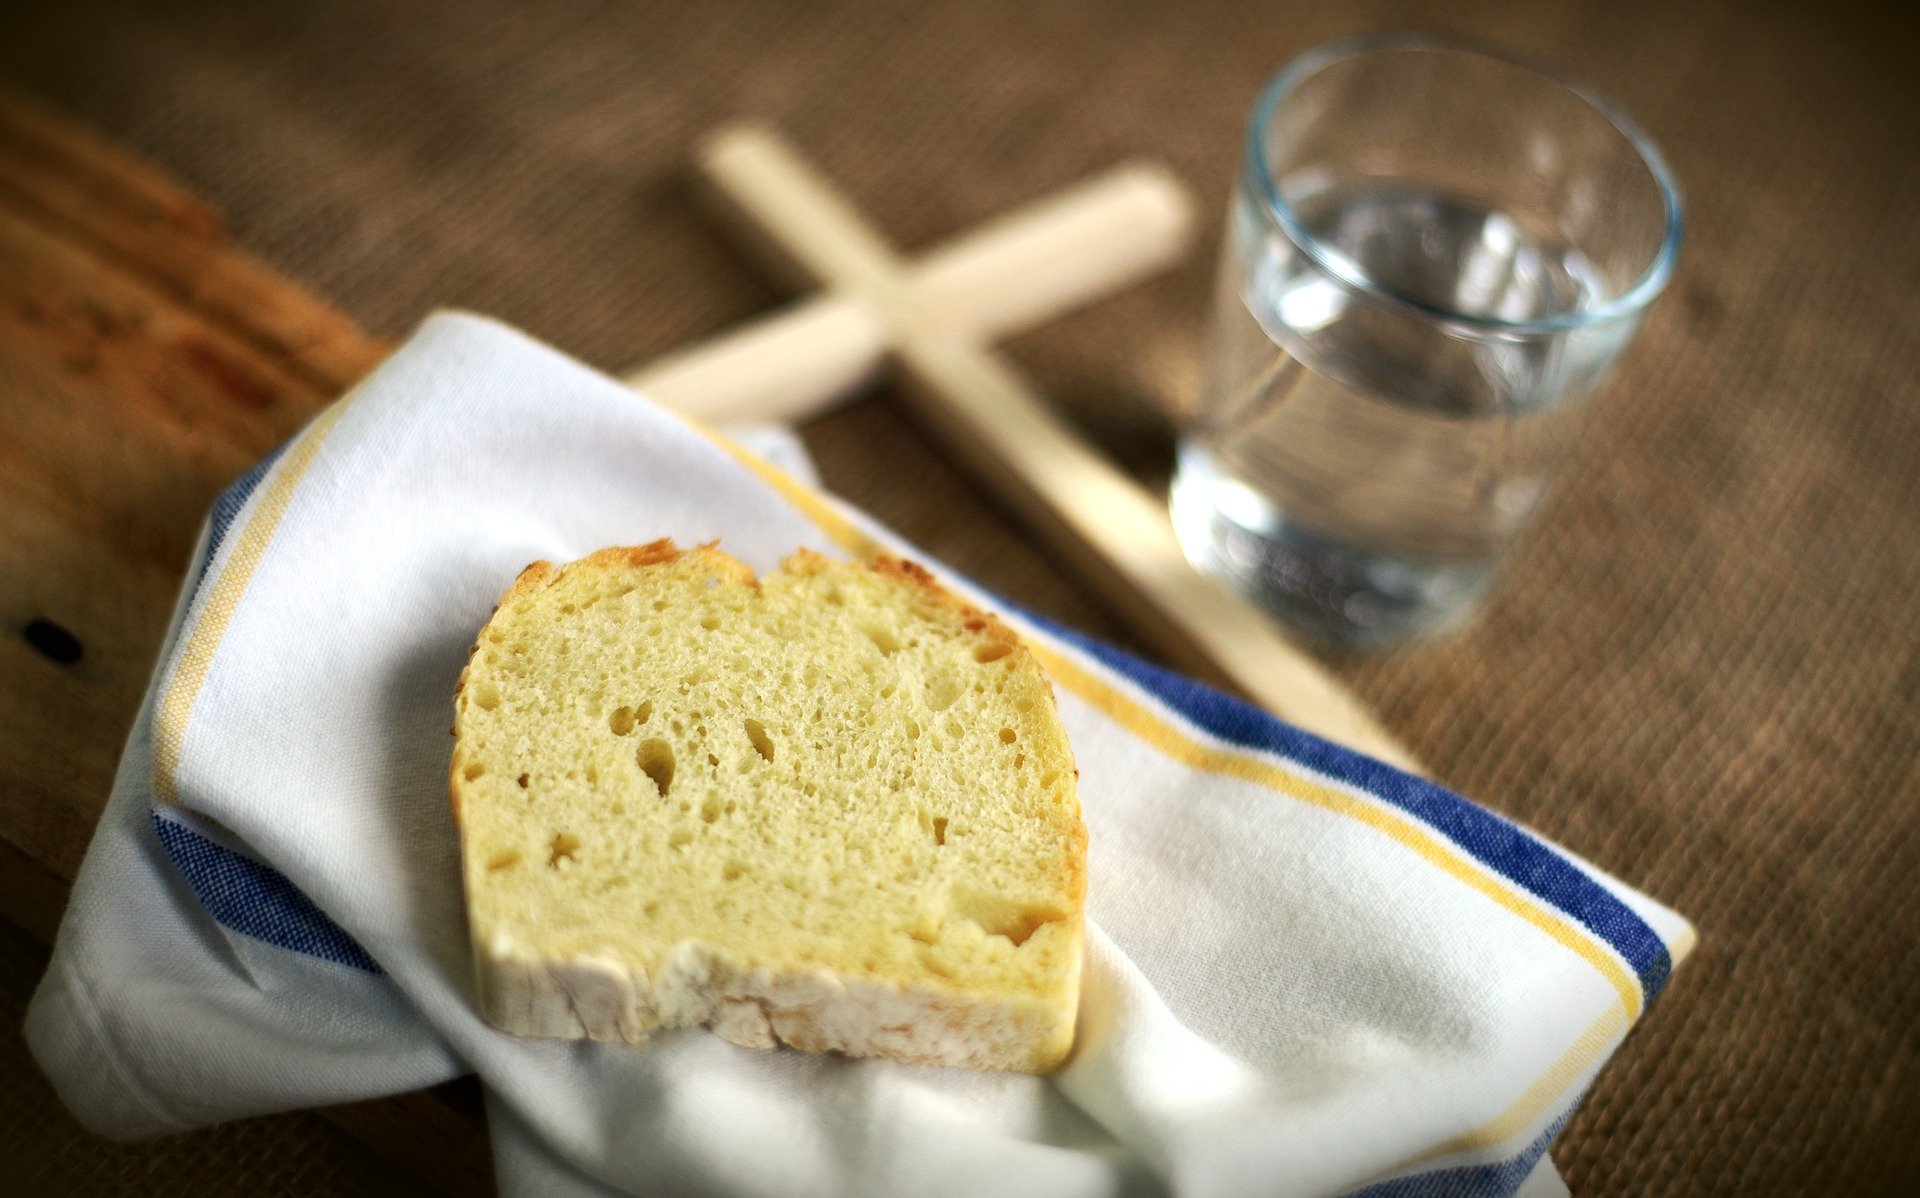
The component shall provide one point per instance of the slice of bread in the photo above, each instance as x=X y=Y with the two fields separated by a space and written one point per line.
x=832 y=808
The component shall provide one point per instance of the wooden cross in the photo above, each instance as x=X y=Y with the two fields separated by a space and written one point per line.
x=1115 y=534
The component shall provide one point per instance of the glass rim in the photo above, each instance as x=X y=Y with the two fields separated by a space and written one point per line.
x=1348 y=274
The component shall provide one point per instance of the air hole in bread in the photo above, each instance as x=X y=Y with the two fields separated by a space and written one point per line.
x=622 y=721
x=1008 y=736
x=710 y=623
x=487 y=695
x=680 y=839
x=564 y=846
x=473 y=771
x=940 y=829
x=998 y=915
x=656 y=762
x=883 y=637
x=710 y=808
x=935 y=965
x=733 y=872
x=992 y=652
x=942 y=691
x=504 y=859
x=762 y=743
x=523 y=779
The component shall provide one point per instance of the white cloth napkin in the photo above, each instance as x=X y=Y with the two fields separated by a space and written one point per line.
x=1310 y=973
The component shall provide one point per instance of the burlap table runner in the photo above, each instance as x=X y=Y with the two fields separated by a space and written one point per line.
x=1704 y=672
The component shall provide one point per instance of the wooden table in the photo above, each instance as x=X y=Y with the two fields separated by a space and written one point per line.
x=147 y=362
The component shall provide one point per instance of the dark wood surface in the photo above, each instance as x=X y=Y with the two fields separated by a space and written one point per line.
x=147 y=362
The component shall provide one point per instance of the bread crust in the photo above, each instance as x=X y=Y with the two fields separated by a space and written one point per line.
x=813 y=1009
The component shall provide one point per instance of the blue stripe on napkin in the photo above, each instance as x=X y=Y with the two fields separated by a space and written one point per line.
x=240 y=893
x=1503 y=847
x=256 y=900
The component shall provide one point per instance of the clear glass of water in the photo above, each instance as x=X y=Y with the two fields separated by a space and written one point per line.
x=1434 y=253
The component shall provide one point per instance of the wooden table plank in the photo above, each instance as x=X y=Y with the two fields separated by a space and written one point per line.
x=146 y=363
x=125 y=211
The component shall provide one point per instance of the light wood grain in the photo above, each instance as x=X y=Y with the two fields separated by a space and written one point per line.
x=1099 y=521
x=1000 y=279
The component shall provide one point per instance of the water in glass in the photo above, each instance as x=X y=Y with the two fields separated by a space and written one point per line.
x=1356 y=467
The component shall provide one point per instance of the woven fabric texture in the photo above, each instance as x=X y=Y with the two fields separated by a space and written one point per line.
x=1704 y=670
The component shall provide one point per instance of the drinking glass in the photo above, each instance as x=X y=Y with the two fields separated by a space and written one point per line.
x=1434 y=252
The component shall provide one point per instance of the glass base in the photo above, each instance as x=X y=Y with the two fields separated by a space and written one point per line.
x=1343 y=594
